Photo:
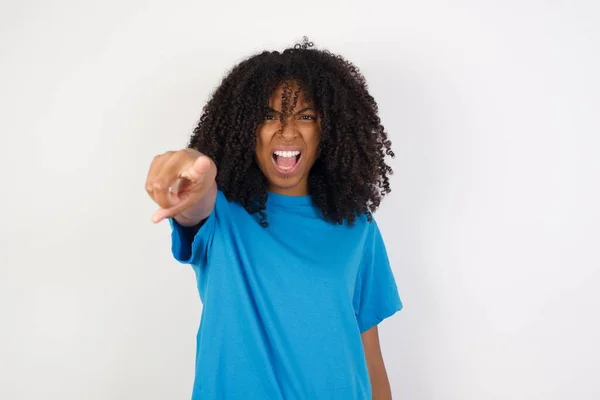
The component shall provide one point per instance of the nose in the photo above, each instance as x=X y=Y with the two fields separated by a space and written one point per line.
x=288 y=131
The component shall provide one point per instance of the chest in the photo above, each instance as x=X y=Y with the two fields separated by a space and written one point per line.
x=294 y=252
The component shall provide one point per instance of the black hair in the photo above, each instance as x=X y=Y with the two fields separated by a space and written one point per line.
x=350 y=176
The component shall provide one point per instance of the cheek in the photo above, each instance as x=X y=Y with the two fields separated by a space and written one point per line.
x=262 y=148
x=261 y=142
x=312 y=142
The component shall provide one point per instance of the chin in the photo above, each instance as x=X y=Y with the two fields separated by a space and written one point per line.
x=284 y=183
x=293 y=185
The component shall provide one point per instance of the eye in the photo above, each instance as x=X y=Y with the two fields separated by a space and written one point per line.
x=308 y=118
x=269 y=117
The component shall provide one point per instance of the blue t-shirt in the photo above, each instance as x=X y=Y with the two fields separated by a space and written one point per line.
x=284 y=306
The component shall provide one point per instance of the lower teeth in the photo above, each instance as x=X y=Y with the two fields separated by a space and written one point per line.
x=285 y=167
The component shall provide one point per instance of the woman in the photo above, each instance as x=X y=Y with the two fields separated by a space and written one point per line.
x=272 y=203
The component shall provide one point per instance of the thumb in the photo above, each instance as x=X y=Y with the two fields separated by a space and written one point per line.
x=197 y=171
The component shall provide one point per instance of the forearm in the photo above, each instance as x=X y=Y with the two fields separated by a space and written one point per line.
x=380 y=386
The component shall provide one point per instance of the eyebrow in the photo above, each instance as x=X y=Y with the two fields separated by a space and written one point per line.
x=305 y=109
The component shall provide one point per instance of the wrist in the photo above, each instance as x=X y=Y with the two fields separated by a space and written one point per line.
x=185 y=219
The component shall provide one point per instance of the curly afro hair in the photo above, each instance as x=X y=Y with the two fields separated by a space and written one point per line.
x=350 y=176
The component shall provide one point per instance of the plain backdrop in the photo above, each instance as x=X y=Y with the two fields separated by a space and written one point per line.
x=493 y=226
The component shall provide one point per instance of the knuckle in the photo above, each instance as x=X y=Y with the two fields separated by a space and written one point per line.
x=160 y=185
x=166 y=154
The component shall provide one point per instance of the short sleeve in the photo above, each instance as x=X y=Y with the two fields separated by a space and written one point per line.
x=191 y=245
x=376 y=294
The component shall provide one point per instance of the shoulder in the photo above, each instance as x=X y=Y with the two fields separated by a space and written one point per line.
x=223 y=201
x=362 y=230
x=365 y=223
x=230 y=210
x=371 y=234
x=221 y=195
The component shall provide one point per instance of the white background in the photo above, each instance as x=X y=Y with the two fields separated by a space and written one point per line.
x=493 y=226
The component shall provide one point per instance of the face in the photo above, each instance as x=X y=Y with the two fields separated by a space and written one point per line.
x=286 y=152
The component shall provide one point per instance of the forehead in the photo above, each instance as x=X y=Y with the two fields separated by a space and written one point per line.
x=289 y=91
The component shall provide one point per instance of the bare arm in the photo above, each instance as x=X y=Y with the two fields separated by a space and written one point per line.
x=379 y=380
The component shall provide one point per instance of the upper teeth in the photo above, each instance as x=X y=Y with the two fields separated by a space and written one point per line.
x=287 y=153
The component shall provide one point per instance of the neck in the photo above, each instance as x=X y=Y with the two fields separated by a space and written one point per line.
x=301 y=189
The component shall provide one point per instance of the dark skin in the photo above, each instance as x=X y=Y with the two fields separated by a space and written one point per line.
x=193 y=175
x=380 y=384
x=302 y=131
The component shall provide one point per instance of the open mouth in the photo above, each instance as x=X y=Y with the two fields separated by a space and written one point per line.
x=286 y=162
